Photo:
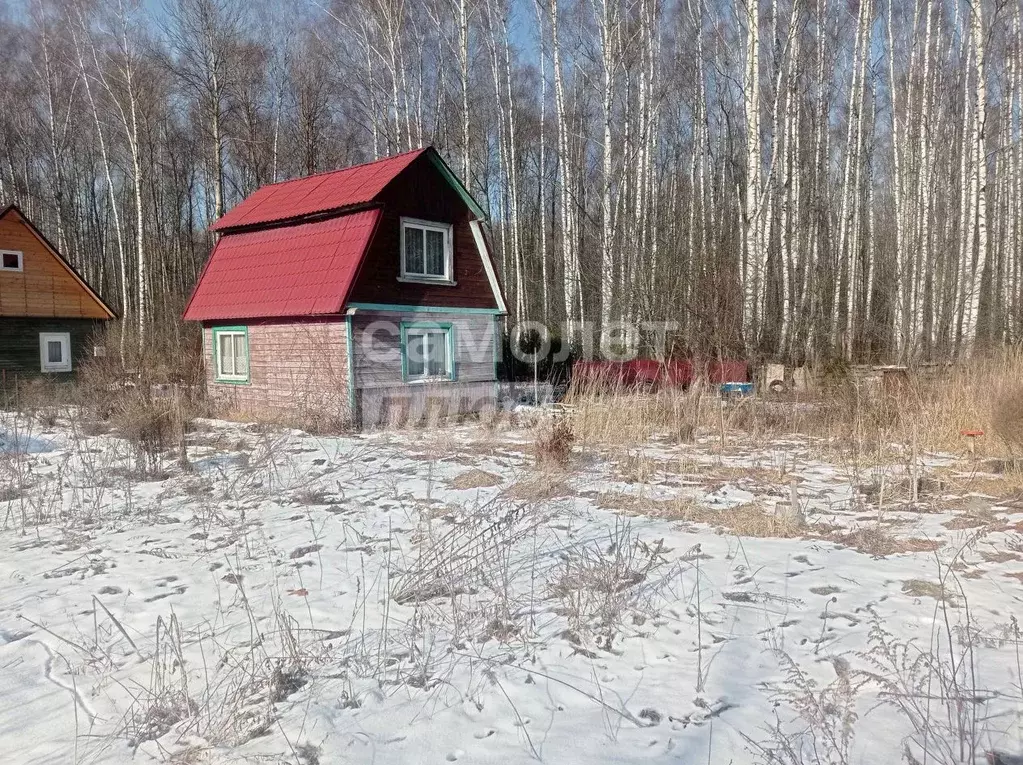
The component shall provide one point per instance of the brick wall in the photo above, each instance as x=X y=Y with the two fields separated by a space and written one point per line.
x=295 y=370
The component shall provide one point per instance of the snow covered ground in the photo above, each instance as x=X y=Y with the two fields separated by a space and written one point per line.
x=430 y=596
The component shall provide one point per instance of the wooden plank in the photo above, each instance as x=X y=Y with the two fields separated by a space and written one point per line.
x=44 y=287
x=423 y=193
x=19 y=351
x=377 y=351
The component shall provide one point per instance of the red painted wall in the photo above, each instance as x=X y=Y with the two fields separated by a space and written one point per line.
x=421 y=192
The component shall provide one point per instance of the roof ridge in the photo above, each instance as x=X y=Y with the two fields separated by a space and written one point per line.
x=349 y=167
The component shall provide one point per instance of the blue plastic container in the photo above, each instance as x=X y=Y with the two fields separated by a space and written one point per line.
x=737 y=389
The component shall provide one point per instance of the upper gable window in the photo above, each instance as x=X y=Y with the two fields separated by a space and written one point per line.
x=426 y=251
x=10 y=260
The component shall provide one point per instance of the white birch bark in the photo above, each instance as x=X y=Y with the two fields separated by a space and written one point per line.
x=573 y=294
x=978 y=185
x=542 y=170
x=79 y=26
x=754 y=255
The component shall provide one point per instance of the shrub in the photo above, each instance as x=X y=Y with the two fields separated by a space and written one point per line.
x=1007 y=417
x=150 y=427
x=553 y=442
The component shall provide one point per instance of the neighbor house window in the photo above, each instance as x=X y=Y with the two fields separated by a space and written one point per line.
x=55 y=351
x=231 y=354
x=10 y=260
x=425 y=251
x=427 y=352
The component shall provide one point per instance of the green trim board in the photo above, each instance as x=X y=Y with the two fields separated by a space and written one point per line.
x=456 y=184
x=449 y=333
x=216 y=332
x=350 y=352
x=498 y=345
x=389 y=308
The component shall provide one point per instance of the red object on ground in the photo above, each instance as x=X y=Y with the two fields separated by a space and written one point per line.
x=971 y=433
x=302 y=270
x=727 y=371
x=319 y=193
x=645 y=373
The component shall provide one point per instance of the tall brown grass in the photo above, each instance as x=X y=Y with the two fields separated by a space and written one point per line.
x=931 y=410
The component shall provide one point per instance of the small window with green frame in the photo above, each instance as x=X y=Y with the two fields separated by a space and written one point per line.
x=231 y=354
x=427 y=351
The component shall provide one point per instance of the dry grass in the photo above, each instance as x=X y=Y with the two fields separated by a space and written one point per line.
x=978 y=520
x=537 y=488
x=475 y=479
x=1007 y=416
x=552 y=444
x=984 y=394
x=921 y=588
x=745 y=520
x=876 y=541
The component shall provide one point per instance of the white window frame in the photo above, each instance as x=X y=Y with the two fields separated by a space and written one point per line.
x=21 y=260
x=424 y=226
x=446 y=331
x=234 y=376
x=64 y=338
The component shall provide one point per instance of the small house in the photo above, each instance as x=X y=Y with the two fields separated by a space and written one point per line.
x=364 y=296
x=49 y=316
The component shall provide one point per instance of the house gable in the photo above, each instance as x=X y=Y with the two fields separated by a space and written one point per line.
x=302 y=269
x=44 y=285
x=426 y=191
x=314 y=246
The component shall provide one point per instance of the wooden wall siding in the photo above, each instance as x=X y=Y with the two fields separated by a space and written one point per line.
x=383 y=397
x=410 y=404
x=19 y=345
x=44 y=287
x=377 y=346
x=298 y=369
x=422 y=192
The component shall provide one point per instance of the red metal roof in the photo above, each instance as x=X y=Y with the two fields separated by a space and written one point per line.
x=316 y=193
x=298 y=270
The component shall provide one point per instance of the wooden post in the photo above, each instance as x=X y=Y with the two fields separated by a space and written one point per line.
x=913 y=470
x=721 y=422
x=180 y=422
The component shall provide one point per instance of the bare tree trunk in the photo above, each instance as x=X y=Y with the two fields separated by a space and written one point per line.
x=754 y=255
x=975 y=266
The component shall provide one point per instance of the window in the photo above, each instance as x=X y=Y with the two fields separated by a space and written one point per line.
x=10 y=260
x=427 y=352
x=425 y=251
x=231 y=354
x=55 y=351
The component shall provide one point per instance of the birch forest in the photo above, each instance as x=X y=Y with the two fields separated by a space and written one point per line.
x=782 y=179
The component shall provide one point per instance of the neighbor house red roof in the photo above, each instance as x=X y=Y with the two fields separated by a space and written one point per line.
x=298 y=270
x=316 y=193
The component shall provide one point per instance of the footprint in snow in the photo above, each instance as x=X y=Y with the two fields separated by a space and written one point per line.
x=485 y=733
x=452 y=756
x=176 y=591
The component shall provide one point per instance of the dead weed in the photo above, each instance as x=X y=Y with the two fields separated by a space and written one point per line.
x=475 y=479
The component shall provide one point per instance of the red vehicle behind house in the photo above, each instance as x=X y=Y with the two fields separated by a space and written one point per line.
x=648 y=374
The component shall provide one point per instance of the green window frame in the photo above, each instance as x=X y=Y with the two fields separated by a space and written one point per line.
x=410 y=330
x=227 y=370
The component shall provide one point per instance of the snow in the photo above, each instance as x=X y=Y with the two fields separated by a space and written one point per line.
x=292 y=598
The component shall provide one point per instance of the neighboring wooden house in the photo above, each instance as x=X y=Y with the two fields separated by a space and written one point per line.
x=364 y=295
x=48 y=314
